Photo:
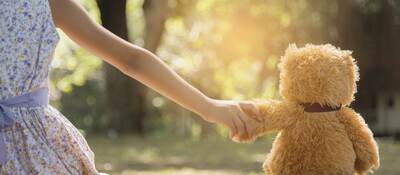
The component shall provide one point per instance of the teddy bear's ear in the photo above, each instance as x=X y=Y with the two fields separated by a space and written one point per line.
x=290 y=53
x=291 y=49
x=347 y=54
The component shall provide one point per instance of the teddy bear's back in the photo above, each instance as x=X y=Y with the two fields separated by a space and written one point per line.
x=316 y=143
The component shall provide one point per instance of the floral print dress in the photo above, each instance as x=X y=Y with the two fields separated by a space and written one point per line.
x=41 y=140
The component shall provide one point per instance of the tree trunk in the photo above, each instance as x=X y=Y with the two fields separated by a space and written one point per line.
x=155 y=15
x=125 y=96
x=374 y=38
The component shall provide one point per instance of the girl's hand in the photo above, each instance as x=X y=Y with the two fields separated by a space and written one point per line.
x=229 y=114
x=250 y=108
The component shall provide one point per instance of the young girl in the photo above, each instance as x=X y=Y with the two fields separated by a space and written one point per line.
x=37 y=139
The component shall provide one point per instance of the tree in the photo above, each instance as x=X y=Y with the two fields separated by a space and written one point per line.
x=155 y=14
x=126 y=98
x=370 y=29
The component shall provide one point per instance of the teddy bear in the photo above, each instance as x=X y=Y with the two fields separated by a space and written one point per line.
x=318 y=133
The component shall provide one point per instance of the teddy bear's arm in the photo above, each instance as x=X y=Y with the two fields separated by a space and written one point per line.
x=275 y=116
x=364 y=144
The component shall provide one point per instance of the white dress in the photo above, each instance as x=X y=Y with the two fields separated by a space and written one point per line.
x=41 y=140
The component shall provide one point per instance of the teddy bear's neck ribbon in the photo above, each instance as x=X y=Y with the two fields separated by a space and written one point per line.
x=316 y=107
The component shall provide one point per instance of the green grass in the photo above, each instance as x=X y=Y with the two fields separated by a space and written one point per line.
x=168 y=155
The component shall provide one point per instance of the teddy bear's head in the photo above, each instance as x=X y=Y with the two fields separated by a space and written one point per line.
x=320 y=74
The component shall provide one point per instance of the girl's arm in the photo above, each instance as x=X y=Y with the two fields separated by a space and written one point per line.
x=145 y=67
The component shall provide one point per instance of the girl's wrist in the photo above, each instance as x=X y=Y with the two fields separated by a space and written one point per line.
x=206 y=107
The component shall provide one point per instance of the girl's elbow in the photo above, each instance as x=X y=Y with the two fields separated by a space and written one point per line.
x=130 y=63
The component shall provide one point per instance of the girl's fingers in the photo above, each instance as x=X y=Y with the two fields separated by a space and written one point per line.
x=245 y=130
x=240 y=128
x=250 y=108
x=232 y=126
x=234 y=134
x=250 y=127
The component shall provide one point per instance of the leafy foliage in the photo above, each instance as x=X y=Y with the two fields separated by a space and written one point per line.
x=229 y=49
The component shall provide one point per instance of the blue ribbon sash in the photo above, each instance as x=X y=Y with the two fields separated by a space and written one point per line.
x=39 y=97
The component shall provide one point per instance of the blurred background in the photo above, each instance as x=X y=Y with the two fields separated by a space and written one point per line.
x=229 y=49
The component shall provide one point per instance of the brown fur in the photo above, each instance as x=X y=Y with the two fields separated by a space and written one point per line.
x=331 y=143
